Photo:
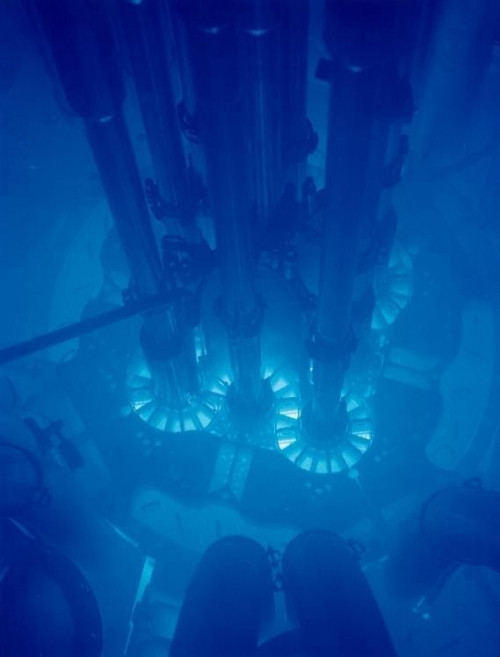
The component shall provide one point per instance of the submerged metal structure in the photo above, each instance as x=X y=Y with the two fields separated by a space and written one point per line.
x=246 y=116
x=267 y=364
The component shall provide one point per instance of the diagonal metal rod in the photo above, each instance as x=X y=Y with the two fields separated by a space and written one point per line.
x=85 y=326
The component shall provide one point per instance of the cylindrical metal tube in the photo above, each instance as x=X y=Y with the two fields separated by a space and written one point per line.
x=258 y=37
x=143 y=29
x=351 y=117
x=81 y=41
x=114 y=157
x=366 y=44
x=82 y=45
x=351 y=112
x=214 y=51
x=294 y=34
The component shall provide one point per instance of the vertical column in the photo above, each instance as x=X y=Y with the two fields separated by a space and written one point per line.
x=259 y=52
x=143 y=28
x=214 y=55
x=297 y=136
x=366 y=42
x=82 y=46
x=351 y=118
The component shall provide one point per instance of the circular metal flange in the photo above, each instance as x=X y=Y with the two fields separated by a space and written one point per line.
x=324 y=457
x=260 y=430
x=393 y=285
x=211 y=410
x=196 y=413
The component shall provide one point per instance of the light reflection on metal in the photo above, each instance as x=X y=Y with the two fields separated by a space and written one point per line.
x=196 y=412
x=260 y=429
x=119 y=532
x=337 y=455
x=209 y=410
x=144 y=581
x=393 y=285
x=199 y=344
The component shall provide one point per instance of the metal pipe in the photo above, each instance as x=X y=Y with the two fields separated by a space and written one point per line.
x=161 y=333
x=365 y=50
x=295 y=128
x=81 y=328
x=114 y=156
x=143 y=29
x=82 y=45
x=213 y=47
x=351 y=119
x=260 y=77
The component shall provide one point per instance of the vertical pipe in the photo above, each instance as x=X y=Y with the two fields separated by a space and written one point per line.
x=114 y=157
x=82 y=46
x=214 y=56
x=259 y=56
x=81 y=41
x=294 y=33
x=142 y=23
x=366 y=41
x=351 y=115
